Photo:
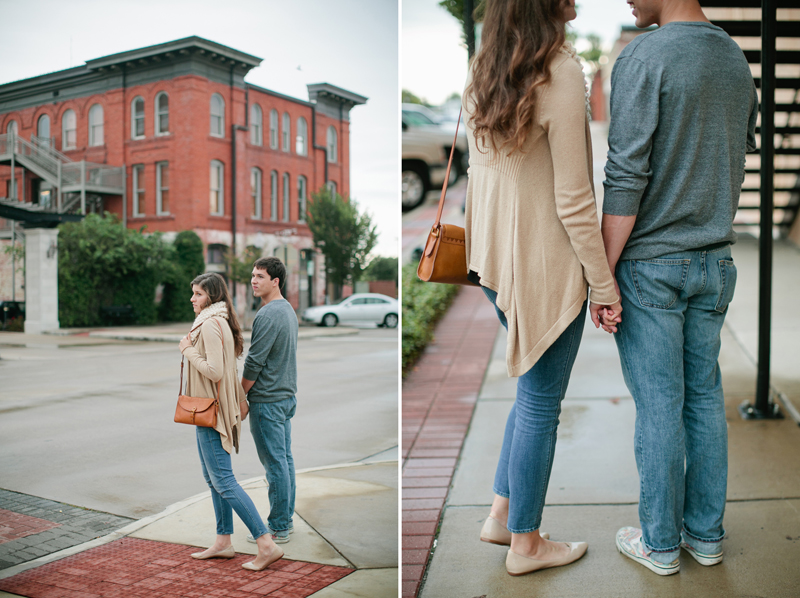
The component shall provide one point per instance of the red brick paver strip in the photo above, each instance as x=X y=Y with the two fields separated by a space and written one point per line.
x=15 y=525
x=439 y=396
x=133 y=568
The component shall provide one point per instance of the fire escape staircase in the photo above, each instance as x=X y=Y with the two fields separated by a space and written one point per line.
x=71 y=180
x=741 y=19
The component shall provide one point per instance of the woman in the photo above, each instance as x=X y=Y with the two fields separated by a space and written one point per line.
x=211 y=349
x=533 y=243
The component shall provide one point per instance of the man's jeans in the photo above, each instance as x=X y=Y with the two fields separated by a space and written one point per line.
x=669 y=342
x=529 y=442
x=226 y=493
x=271 y=427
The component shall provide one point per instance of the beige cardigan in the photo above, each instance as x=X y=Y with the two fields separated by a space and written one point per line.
x=532 y=230
x=206 y=366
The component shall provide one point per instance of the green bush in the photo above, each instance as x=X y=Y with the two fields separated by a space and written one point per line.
x=423 y=304
x=184 y=264
x=103 y=264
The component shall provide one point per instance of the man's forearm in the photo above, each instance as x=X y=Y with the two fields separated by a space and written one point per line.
x=247 y=384
x=616 y=230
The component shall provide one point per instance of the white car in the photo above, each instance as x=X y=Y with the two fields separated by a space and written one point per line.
x=360 y=308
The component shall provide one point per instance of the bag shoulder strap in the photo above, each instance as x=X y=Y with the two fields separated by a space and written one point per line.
x=437 y=222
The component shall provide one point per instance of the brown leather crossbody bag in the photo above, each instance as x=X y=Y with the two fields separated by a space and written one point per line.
x=445 y=257
x=198 y=411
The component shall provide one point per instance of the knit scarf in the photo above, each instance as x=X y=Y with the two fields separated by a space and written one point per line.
x=214 y=310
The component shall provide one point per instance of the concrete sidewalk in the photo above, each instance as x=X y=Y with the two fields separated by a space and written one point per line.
x=594 y=485
x=344 y=545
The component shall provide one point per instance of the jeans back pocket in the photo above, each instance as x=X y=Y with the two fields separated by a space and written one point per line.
x=727 y=274
x=659 y=281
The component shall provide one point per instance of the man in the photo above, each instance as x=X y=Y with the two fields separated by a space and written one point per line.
x=270 y=381
x=683 y=114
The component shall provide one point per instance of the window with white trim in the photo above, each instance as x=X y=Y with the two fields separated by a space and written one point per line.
x=332 y=145
x=96 y=125
x=138 y=190
x=273 y=129
x=162 y=113
x=217 y=188
x=302 y=198
x=332 y=188
x=255 y=191
x=286 y=197
x=12 y=127
x=273 y=195
x=287 y=131
x=162 y=188
x=43 y=127
x=256 y=126
x=69 y=130
x=137 y=118
x=302 y=137
x=217 y=116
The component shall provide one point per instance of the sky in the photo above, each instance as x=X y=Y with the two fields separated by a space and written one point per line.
x=434 y=58
x=351 y=44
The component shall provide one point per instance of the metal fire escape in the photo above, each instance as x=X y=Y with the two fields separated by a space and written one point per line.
x=72 y=181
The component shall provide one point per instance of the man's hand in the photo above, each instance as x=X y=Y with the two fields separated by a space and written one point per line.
x=244 y=409
x=607 y=316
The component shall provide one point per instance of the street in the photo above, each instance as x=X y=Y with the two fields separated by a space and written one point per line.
x=89 y=421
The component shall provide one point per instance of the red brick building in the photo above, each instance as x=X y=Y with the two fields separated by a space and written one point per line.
x=171 y=137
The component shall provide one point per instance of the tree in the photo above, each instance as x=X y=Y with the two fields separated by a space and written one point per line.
x=185 y=263
x=381 y=268
x=409 y=98
x=240 y=269
x=342 y=235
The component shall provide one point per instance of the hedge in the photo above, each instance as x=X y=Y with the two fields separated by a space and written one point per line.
x=424 y=303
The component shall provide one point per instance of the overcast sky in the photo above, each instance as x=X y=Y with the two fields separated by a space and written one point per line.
x=348 y=43
x=434 y=59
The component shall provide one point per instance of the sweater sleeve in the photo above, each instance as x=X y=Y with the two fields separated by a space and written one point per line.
x=563 y=117
x=261 y=340
x=211 y=366
x=634 y=117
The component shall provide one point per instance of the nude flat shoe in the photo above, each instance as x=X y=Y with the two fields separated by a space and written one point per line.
x=520 y=565
x=275 y=557
x=226 y=553
x=495 y=532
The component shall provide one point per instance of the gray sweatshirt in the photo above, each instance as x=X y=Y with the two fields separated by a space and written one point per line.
x=271 y=362
x=683 y=115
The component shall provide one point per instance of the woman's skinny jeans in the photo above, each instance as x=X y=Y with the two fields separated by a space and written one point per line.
x=226 y=493
x=526 y=458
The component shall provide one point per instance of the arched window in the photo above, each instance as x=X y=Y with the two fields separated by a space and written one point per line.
x=217 y=188
x=256 y=126
x=96 y=125
x=302 y=199
x=332 y=145
x=69 y=130
x=286 y=197
x=273 y=129
x=137 y=118
x=217 y=116
x=255 y=191
x=332 y=188
x=302 y=137
x=12 y=128
x=162 y=114
x=43 y=127
x=287 y=131
x=273 y=195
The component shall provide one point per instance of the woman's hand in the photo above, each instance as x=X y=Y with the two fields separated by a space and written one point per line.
x=186 y=342
x=244 y=409
x=607 y=316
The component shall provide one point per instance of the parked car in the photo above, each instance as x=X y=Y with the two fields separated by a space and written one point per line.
x=361 y=308
x=426 y=150
x=10 y=310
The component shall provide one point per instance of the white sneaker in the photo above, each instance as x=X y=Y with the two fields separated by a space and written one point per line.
x=629 y=543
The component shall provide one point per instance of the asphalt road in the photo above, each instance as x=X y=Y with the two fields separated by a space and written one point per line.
x=89 y=422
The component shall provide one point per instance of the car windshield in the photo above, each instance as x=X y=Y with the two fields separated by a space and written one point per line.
x=416 y=119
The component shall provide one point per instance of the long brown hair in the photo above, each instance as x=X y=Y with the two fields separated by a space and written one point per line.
x=214 y=286
x=519 y=39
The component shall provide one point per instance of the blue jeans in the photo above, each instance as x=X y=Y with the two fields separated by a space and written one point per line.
x=226 y=493
x=271 y=427
x=669 y=341
x=529 y=443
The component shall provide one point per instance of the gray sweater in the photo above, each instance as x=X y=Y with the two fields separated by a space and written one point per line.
x=271 y=362
x=683 y=115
